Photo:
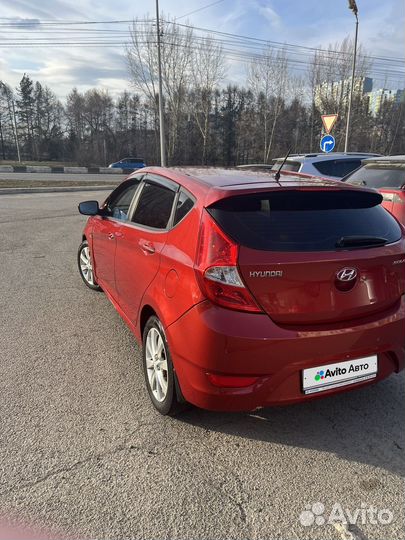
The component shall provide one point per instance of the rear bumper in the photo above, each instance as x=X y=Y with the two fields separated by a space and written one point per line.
x=216 y=340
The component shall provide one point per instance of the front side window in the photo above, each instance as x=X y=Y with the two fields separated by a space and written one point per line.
x=120 y=200
x=154 y=206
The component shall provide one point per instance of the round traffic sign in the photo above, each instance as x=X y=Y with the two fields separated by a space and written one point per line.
x=327 y=143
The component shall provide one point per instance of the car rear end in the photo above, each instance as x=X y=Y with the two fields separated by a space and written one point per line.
x=388 y=176
x=304 y=296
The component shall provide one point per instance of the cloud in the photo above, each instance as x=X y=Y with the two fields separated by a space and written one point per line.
x=45 y=9
x=305 y=23
x=270 y=15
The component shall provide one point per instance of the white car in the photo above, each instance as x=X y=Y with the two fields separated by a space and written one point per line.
x=334 y=165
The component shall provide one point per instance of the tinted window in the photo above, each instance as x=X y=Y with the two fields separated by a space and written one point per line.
x=184 y=205
x=378 y=175
x=293 y=166
x=304 y=220
x=337 y=167
x=154 y=206
x=120 y=200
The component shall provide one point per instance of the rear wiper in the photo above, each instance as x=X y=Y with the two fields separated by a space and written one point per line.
x=351 y=241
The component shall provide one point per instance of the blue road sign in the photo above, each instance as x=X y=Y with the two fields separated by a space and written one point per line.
x=327 y=143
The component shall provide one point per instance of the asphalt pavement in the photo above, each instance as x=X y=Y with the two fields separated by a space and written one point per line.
x=84 y=455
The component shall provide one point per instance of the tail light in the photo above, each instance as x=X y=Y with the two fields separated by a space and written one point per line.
x=217 y=270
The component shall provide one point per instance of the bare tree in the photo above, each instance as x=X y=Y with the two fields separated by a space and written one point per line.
x=8 y=121
x=268 y=79
x=208 y=70
x=176 y=70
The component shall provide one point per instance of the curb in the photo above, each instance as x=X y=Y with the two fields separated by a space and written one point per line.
x=70 y=170
x=15 y=191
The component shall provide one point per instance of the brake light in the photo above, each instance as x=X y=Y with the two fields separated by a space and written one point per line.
x=217 y=270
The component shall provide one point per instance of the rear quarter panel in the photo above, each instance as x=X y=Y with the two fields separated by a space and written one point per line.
x=175 y=289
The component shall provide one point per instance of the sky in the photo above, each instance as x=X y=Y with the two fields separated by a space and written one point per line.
x=310 y=23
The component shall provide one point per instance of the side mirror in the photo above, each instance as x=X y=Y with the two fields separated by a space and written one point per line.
x=89 y=208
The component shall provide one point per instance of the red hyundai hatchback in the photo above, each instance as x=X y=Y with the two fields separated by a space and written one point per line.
x=247 y=291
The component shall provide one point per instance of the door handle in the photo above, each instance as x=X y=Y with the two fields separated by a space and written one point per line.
x=147 y=247
x=111 y=236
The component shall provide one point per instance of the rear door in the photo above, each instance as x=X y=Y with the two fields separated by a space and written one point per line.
x=141 y=241
x=312 y=257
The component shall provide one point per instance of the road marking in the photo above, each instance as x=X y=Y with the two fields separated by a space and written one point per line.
x=346 y=534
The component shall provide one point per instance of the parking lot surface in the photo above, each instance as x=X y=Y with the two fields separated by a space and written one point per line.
x=84 y=455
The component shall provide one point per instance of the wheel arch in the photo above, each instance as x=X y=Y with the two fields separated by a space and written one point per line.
x=146 y=313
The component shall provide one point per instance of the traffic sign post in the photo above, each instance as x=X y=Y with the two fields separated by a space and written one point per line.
x=327 y=143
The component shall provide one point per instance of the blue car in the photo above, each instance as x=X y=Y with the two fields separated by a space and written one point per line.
x=128 y=163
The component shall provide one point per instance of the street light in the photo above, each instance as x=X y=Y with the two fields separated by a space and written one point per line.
x=352 y=7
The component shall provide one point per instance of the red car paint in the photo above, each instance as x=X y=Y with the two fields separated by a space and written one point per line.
x=243 y=347
x=394 y=202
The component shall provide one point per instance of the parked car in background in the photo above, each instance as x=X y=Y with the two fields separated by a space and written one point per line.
x=387 y=174
x=246 y=290
x=335 y=165
x=128 y=163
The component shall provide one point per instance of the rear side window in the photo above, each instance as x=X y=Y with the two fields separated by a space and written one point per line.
x=294 y=220
x=154 y=206
x=378 y=175
x=184 y=204
x=337 y=167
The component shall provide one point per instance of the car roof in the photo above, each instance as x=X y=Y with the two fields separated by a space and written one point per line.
x=214 y=184
x=386 y=159
x=323 y=156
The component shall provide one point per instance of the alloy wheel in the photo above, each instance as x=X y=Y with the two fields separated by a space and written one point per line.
x=86 y=266
x=156 y=364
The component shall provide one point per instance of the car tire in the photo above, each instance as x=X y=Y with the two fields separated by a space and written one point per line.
x=158 y=369
x=86 y=266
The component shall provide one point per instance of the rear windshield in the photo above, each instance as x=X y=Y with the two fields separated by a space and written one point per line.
x=337 y=167
x=294 y=220
x=293 y=166
x=379 y=175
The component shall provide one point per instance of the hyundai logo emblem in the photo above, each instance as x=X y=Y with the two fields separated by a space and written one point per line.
x=347 y=274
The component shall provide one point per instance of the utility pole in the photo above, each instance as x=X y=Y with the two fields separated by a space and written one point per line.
x=352 y=7
x=15 y=131
x=161 y=112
